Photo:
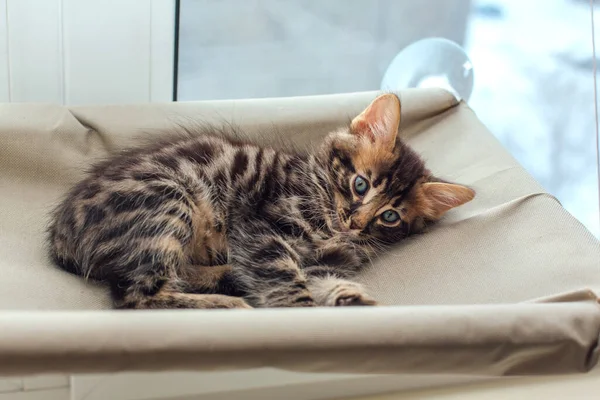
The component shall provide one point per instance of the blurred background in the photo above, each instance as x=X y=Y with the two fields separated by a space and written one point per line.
x=532 y=61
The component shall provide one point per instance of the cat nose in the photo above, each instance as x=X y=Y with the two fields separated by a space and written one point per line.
x=354 y=225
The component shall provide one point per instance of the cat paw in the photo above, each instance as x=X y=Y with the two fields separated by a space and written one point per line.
x=303 y=302
x=355 y=300
x=242 y=305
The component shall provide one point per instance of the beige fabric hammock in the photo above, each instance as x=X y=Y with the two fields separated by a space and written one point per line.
x=459 y=297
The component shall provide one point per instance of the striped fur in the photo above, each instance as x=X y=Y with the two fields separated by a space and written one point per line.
x=207 y=222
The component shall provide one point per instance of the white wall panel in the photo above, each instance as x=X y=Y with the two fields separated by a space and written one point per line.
x=34 y=50
x=107 y=51
x=162 y=48
x=4 y=71
x=86 y=51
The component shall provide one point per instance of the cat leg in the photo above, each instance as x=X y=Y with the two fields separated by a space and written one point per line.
x=329 y=278
x=213 y=279
x=152 y=291
x=266 y=268
x=147 y=274
x=173 y=299
x=152 y=288
x=143 y=249
x=331 y=291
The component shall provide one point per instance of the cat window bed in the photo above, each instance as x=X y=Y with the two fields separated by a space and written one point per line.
x=505 y=285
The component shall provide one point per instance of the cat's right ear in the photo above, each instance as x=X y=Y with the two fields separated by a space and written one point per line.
x=441 y=197
x=379 y=121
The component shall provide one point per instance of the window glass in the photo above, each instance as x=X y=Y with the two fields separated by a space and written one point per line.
x=532 y=65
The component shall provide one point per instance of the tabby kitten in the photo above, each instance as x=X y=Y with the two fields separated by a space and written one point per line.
x=206 y=222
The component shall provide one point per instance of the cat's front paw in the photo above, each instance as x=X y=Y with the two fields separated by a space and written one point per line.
x=356 y=299
x=304 y=301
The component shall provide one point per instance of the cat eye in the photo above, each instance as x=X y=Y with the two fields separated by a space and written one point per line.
x=390 y=216
x=361 y=185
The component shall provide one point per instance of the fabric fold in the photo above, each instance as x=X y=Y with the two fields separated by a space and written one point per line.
x=508 y=340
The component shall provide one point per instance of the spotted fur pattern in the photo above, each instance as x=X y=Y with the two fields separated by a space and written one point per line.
x=207 y=222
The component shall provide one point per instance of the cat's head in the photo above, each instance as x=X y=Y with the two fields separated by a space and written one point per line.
x=381 y=186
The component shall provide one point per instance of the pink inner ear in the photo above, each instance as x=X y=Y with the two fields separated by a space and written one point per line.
x=380 y=120
x=362 y=127
x=445 y=196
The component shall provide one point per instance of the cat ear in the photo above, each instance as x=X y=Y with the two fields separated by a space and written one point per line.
x=379 y=122
x=442 y=197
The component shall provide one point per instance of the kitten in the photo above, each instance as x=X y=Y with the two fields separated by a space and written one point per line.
x=206 y=222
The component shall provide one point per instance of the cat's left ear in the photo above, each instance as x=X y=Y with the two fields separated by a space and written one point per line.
x=379 y=122
x=441 y=197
